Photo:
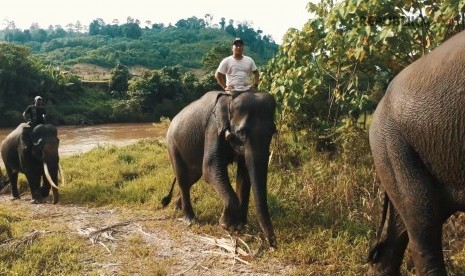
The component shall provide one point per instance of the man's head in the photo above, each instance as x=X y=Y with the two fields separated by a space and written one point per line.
x=38 y=100
x=238 y=42
x=238 y=47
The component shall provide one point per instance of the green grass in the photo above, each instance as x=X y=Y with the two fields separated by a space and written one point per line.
x=325 y=208
x=135 y=175
x=46 y=253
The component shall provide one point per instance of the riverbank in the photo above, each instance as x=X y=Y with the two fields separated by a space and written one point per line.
x=82 y=138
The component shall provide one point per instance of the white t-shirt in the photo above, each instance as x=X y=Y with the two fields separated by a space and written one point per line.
x=237 y=72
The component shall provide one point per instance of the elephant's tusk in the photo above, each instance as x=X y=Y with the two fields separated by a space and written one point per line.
x=49 y=178
x=60 y=171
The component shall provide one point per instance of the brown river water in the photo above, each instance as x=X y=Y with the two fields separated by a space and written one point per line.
x=79 y=139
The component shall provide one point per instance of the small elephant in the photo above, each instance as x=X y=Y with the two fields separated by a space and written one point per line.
x=417 y=138
x=33 y=152
x=196 y=149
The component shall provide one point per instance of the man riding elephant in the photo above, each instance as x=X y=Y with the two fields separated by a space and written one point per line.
x=233 y=76
x=33 y=115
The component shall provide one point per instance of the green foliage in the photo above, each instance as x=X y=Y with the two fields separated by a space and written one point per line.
x=119 y=81
x=20 y=77
x=347 y=52
x=129 y=44
x=164 y=92
x=213 y=58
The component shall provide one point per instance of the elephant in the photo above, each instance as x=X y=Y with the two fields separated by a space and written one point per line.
x=33 y=152
x=417 y=139
x=196 y=149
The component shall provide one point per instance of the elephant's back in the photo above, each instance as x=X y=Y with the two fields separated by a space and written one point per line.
x=195 y=115
x=423 y=106
x=9 y=145
x=13 y=135
x=432 y=85
x=186 y=132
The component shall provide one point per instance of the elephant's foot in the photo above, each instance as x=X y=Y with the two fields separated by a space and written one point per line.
x=230 y=224
x=188 y=220
x=55 y=196
x=15 y=198
x=45 y=192
x=35 y=201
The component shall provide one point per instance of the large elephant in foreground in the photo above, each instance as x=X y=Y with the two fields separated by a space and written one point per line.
x=195 y=149
x=417 y=139
x=35 y=155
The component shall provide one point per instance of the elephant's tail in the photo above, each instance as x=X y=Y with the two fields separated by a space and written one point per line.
x=379 y=244
x=166 y=200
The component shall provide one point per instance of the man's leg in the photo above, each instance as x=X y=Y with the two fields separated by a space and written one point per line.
x=222 y=115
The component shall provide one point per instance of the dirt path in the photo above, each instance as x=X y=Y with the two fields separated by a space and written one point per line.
x=179 y=251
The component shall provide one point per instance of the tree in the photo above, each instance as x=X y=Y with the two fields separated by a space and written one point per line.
x=331 y=67
x=222 y=23
x=131 y=30
x=212 y=59
x=119 y=81
x=19 y=80
x=96 y=26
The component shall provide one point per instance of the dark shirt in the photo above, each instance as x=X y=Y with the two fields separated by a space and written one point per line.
x=36 y=113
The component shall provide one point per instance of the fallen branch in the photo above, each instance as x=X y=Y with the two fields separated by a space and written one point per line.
x=231 y=247
x=111 y=227
x=27 y=240
x=101 y=243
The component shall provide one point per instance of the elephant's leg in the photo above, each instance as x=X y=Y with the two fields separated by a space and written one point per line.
x=13 y=177
x=243 y=188
x=185 y=180
x=423 y=213
x=419 y=202
x=45 y=188
x=387 y=254
x=215 y=171
x=33 y=178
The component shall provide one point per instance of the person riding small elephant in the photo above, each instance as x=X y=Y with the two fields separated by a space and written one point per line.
x=34 y=115
x=233 y=76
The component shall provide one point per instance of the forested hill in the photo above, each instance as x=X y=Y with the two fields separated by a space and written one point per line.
x=152 y=46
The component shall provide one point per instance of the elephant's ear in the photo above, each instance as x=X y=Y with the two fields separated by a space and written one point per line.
x=222 y=103
x=25 y=138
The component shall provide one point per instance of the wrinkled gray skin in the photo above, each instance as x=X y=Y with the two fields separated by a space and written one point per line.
x=44 y=148
x=195 y=149
x=417 y=139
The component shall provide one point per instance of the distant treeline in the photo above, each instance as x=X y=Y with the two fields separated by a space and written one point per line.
x=153 y=46
x=155 y=94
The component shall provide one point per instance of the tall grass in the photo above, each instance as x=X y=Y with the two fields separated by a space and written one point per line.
x=325 y=206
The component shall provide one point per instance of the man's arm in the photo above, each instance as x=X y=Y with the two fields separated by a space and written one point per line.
x=26 y=114
x=256 y=79
x=221 y=79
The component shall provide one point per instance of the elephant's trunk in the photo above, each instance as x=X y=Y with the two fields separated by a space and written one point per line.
x=257 y=164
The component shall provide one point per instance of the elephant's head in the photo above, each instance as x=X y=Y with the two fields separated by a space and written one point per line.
x=252 y=124
x=45 y=144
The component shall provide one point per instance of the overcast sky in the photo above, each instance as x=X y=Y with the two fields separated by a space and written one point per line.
x=272 y=18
